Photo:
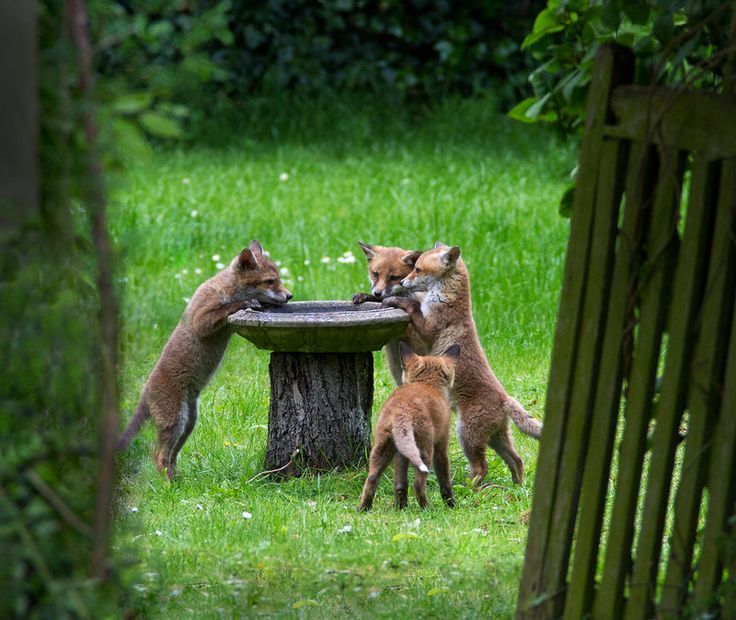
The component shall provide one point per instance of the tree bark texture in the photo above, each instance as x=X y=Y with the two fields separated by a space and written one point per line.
x=321 y=406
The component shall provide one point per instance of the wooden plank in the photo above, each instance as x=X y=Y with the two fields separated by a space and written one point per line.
x=609 y=601
x=614 y=65
x=721 y=487
x=602 y=435
x=612 y=173
x=653 y=314
x=693 y=121
x=703 y=401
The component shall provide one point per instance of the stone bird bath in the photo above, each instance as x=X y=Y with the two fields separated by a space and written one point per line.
x=321 y=372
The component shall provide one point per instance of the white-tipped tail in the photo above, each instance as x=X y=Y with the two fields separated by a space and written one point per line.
x=403 y=435
x=523 y=419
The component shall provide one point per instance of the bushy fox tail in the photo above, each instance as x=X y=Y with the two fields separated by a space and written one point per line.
x=139 y=417
x=523 y=419
x=403 y=435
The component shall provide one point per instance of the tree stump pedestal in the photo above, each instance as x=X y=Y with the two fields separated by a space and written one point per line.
x=321 y=373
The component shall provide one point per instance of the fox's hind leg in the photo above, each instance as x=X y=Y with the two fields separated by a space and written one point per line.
x=442 y=468
x=420 y=478
x=380 y=458
x=401 y=472
x=191 y=421
x=475 y=452
x=170 y=419
x=502 y=442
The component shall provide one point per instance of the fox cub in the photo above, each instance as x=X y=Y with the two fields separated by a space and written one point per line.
x=195 y=349
x=414 y=427
x=443 y=317
x=387 y=267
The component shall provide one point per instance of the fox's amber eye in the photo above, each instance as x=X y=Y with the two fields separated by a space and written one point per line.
x=394 y=278
x=269 y=282
x=375 y=274
x=417 y=270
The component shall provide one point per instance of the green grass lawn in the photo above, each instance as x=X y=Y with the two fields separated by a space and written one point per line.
x=308 y=179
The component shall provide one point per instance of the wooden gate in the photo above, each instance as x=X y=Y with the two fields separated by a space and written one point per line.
x=638 y=455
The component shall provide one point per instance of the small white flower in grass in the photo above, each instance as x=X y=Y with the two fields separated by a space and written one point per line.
x=373 y=594
x=284 y=271
x=299 y=279
x=177 y=276
x=186 y=300
x=311 y=503
x=247 y=515
x=200 y=507
x=186 y=181
x=307 y=261
x=283 y=177
x=159 y=533
x=346 y=529
x=324 y=259
x=185 y=272
x=405 y=182
x=198 y=271
x=194 y=213
x=134 y=509
x=220 y=265
x=277 y=263
x=215 y=258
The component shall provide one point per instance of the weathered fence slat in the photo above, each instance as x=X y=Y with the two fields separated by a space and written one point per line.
x=595 y=307
x=721 y=479
x=689 y=282
x=614 y=66
x=597 y=462
x=703 y=401
x=639 y=196
x=689 y=121
x=656 y=295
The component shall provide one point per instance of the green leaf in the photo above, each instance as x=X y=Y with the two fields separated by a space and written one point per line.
x=160 y=125
x=546 y=23
x=307 y=602
x=518 y=112
x=637 y=12
x=132 y=103
x=403 y=536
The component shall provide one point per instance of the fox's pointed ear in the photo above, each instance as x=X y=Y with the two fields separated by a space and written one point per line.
x=453 y=352
x=411 y=258
x=255 y=247
x=246 y=260
x=439 y=244
x=368 y=250
x=450 y=255
x=406 y=353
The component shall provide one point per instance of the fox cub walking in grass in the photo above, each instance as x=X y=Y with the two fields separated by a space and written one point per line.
x=195 y=349
x=387 y=267
x=443 y=317
x=414 y=427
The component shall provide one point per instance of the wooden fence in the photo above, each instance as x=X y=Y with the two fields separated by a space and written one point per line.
x=634 y=513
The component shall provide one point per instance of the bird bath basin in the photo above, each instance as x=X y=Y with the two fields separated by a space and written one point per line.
x=321 y=373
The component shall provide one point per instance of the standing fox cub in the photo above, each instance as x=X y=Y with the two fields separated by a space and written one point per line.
x=195 y=349
x=414 y=427
x=445 y=317
x=387 y=267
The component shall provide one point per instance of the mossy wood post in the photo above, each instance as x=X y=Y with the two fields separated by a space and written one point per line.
x=321 y=373
x=648 y=288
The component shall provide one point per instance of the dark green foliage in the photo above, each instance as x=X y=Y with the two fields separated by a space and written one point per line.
x=674 y=41
x=50 y=383
x=197 y=51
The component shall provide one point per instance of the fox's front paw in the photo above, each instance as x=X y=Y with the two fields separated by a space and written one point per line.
x=361 y=298
x=251 y=304
x=397 y=302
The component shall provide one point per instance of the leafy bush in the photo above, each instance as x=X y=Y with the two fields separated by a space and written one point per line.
x=674 y=41
x=198 y=51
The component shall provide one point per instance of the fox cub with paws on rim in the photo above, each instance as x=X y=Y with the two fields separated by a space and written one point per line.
x=387 y=267
x=414 y=427
x=443 y=317
x=196 y=347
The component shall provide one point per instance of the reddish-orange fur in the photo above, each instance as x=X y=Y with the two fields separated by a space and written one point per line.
x=444 y=317
x=195 y=349
x=414 y=427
